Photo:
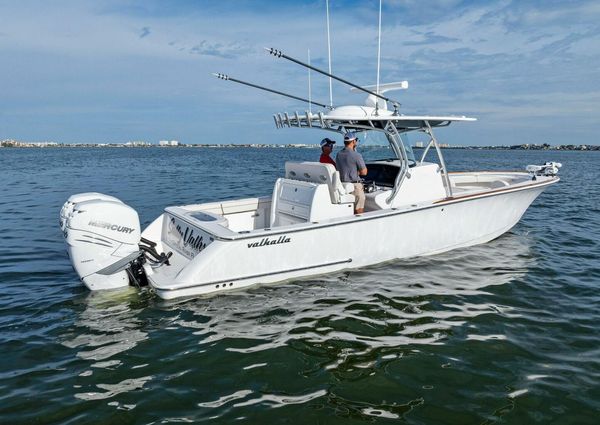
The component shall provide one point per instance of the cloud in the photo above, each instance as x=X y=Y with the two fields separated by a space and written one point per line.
x=144 y=32
x=144 y=67
x=230 y=50
x=430 y=38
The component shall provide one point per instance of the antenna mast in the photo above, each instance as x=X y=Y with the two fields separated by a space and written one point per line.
x=309 y=90
x=280 y=54
x=329 y=56
x=378 y=48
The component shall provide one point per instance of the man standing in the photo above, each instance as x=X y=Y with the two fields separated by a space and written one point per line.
x=351 y=166
x=326 y=149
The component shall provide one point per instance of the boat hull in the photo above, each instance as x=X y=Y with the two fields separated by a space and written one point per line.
x=296 y=252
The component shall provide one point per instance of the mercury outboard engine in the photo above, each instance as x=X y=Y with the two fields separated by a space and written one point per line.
x=548 y=169
x=103 y=238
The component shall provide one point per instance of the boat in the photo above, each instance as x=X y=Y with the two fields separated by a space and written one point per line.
x=307 y=226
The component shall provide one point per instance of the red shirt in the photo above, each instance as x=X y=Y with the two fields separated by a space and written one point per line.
x=326 y=159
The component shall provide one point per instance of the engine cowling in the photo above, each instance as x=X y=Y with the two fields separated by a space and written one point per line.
x=103 y=236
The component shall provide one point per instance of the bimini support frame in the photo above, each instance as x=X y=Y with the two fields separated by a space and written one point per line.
x=392 y=128
x=397 y=146
x=387 y=127
x=433 y=141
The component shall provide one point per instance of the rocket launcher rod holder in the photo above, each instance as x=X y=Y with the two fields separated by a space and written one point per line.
x=280 y=54
x=228 y=78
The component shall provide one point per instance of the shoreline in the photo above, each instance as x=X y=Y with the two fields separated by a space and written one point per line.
x=26 y=145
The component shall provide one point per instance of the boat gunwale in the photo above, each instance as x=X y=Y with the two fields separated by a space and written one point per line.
x=497 y=192
x=374 y=215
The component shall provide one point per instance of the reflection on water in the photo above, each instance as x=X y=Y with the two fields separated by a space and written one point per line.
x=107 y=327
x=356 y=320
x=352 y=320
x=114 y=389
x=502 y=332
x=416 y=298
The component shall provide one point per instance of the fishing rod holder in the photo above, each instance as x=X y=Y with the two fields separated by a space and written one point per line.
x=221 y=76
x=308 y=120
x=279 y=54
x=267 y=89
x=274 y=52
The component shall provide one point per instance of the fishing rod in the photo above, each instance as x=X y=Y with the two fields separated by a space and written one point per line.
x=235 y=80
x=280 y=54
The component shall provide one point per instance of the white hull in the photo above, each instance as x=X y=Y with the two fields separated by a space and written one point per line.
x=242 y=260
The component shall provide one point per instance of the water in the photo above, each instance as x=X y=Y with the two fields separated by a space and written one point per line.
x=505 y=332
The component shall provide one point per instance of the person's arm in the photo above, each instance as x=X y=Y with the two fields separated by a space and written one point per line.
x=362 y=167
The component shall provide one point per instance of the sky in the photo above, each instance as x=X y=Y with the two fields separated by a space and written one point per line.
x=116 y=71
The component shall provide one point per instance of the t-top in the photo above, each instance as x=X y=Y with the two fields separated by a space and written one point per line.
x=349 y=162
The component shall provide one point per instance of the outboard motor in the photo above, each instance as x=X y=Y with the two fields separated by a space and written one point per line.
x=548 y=169
x=103 y=239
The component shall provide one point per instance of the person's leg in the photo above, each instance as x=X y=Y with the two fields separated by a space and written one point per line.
x=359 y=193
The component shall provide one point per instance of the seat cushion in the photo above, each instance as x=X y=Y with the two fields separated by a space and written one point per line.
x=348 y=187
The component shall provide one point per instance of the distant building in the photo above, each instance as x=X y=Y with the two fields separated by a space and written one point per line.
x=418 y=144
x=168 y=143
x=136 y=143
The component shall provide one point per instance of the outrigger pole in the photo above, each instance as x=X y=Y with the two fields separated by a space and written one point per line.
x=280 y=54
x=291 y=96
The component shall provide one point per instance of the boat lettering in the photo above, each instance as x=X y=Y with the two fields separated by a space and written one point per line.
x=195 y=242
x=110 y=226
x=267 y=241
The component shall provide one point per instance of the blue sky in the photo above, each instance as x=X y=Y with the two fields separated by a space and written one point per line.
x=113 y=71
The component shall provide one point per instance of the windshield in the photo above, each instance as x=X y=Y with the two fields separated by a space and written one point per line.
x=373 y=145
x=407 y=142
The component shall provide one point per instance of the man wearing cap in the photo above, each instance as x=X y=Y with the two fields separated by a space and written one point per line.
x=351 y=166
x=326 y=149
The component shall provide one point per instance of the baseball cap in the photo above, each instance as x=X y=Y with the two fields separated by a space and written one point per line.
x=327 y=141
x=349 y=136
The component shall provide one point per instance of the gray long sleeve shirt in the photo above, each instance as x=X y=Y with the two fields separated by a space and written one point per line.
x=348 y=163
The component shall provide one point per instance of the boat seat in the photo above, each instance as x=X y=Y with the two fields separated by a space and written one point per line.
x=316 y=172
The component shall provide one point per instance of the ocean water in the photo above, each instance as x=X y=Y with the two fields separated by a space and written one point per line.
x=506 y=332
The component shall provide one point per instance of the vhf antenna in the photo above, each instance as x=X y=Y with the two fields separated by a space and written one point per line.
x=280 y=54
x=329 y=54
x=379 y=46
x=309 y=88
x=228 y=78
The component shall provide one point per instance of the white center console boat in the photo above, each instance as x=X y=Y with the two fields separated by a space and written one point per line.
x=307 y=226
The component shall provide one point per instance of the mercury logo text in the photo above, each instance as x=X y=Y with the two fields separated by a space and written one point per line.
x=110 y=226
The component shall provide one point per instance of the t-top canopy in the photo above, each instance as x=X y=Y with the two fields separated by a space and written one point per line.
x=361 y=117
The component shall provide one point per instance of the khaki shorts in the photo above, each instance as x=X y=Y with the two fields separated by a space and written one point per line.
x=359 y=193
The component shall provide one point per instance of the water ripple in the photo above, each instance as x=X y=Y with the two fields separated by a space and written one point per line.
x=502 y=332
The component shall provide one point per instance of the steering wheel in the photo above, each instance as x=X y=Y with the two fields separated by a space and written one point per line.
x=369 y=186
